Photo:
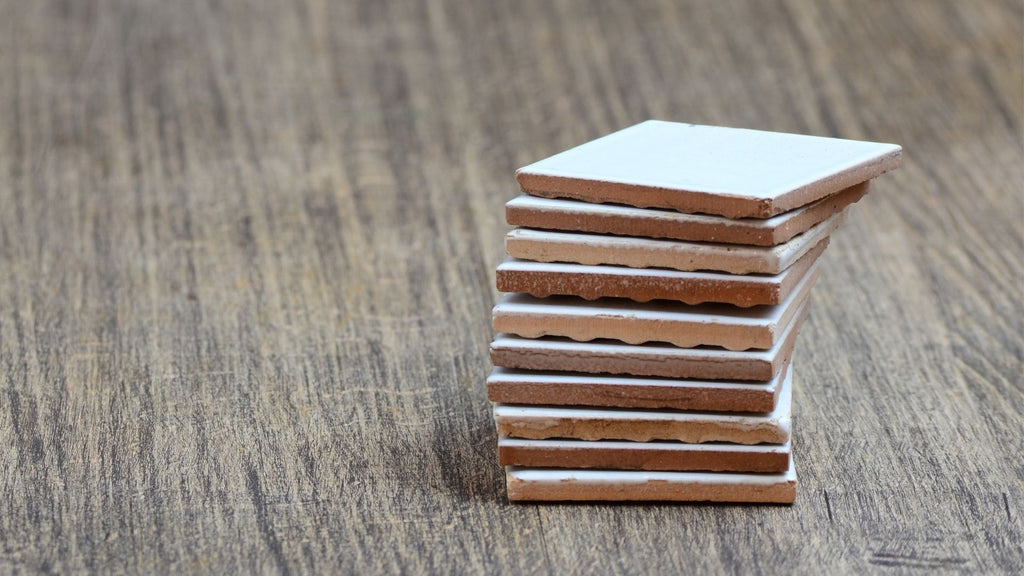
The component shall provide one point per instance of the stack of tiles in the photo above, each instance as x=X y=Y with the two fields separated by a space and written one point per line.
x=656 y=282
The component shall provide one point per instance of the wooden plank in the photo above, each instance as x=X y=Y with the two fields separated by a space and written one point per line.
x=247 y=254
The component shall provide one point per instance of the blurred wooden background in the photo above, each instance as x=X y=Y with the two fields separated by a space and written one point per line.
x=246 y=272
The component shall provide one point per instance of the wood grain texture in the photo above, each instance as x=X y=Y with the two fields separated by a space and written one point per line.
x=246 y=272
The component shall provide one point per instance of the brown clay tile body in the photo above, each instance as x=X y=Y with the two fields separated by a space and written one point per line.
x=546 y=422
x=671 y=456
x=577 y=389
x=613 y=357
x=547 y=484
x=676 y=323
x=596 y=249
x=576 y=216
x=643 y=285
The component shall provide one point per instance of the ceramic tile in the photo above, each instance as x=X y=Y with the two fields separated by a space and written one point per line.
x=731 y=172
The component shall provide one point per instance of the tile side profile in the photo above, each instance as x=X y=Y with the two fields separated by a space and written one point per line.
x=547 y=422
x=510 y=386
x=576 y=216
x=597 y=249
x=665 y=456
x=552 y=484
x=730 y=327
x=612 y=357
x=541 y=279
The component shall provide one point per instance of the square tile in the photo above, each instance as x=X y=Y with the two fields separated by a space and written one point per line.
x=731 y=172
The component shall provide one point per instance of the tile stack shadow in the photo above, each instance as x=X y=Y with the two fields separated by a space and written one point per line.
x=656 y=282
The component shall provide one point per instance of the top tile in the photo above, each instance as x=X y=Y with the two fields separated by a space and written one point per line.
x=730 y=172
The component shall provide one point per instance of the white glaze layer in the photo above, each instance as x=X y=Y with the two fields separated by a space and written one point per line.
x=564 y=444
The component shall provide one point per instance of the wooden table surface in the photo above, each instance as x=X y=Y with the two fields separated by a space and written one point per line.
x=246 y=272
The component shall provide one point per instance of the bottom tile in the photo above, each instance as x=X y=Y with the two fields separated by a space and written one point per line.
x=545 y=484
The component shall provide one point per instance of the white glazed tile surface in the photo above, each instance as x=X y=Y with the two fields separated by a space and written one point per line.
x=716 y=160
